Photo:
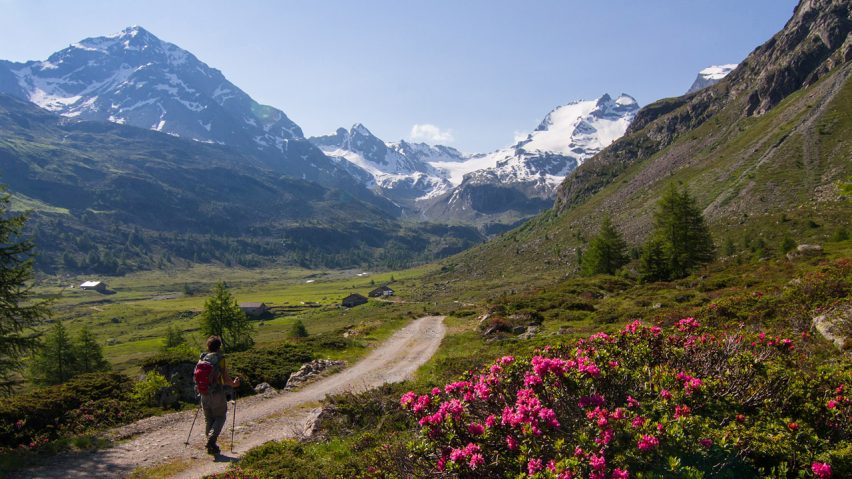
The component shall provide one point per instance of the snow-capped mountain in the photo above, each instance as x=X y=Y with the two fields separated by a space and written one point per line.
x=401 y=171
x=533 y=167
x=134 y=78
x=440 y=183
x=711 y=75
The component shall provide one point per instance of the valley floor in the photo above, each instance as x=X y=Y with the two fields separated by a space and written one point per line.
x=159 y=441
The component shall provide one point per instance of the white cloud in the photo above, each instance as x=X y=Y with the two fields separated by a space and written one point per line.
x=430 y=134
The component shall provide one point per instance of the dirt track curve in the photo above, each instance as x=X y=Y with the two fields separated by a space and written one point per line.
x=260 y=419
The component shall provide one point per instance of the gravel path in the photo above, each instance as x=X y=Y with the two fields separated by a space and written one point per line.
x=260 y=419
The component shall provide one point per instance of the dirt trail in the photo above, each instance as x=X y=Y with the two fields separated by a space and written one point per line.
x=260 y=419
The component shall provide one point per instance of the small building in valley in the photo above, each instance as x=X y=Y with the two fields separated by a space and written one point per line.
x=98 y=286
x=353 y=300
x=254 y=310
x=381 y=291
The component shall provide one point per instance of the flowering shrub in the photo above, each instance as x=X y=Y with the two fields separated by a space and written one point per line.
x=646 y=402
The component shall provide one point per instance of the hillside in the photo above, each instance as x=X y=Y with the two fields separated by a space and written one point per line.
x=764 y=151
x=108 y=198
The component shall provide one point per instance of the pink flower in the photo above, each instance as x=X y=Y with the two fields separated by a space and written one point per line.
x=436 y=391
x=407 y=399
x=821 y=470
x=620 y=474
x=490 y=420
x=507 y=360
x=632 y=402
x=647 y=442
x=687 y=324
x=533 y=466
x=706 y=443
x=665 y=394
x=476 y=460
x=598 y=463
x=442 y=463
x=638 y=422
x=682 y=411
x=511 y=443
x=831 y=404
x=475 y=429
x=566 y=474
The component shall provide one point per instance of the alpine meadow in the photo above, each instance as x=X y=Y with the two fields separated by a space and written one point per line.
x=646 y=285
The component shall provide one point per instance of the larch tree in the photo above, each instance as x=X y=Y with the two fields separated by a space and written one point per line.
x=223 y=317
x=680 y=229
x=19 y=312
x=88 y=353
x=54 y=361
x=607 y=251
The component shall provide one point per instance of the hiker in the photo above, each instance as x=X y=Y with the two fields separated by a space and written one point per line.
x=214 y=399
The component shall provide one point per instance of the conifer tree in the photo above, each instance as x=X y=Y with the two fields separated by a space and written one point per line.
x=54 y=362
x=653 y=264
x=223 y=317
x=680 y=230
x=607 y=251
x=299 y=330
x=18 y=313
x=88 y=354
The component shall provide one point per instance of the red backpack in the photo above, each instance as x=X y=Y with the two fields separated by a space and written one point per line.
x=206 y=374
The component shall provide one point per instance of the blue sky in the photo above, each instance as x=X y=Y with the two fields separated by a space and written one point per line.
x=478 y=71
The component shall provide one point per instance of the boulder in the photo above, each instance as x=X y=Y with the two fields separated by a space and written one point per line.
x=835 y=325
x=310 y=371
x=804 y=250
x=264 y=388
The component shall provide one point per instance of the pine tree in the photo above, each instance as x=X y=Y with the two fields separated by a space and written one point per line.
x=88 y=354
x=223 y=317
x=18 y=313
x=607 y=251
x=54 y=361
x=680 y=230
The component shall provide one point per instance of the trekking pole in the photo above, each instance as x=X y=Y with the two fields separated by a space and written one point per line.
x=234 y=420
x=193 y=424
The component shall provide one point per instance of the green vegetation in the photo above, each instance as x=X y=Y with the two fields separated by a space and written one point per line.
x=223 y=317
x=680 y=241
x=18 y=314
x=59 y=358
x=607 y=251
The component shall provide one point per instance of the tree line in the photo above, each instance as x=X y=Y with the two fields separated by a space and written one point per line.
x=679 y=243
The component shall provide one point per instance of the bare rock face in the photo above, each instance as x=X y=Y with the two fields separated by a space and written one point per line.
x=311 y=370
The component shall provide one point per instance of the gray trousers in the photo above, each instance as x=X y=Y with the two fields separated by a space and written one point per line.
x=215 y=406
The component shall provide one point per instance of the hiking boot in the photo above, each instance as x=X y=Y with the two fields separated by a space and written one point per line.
x=213 y=449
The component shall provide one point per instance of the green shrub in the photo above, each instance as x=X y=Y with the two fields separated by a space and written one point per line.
x=88 y=401
x=146 y=391
x=272 y=365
